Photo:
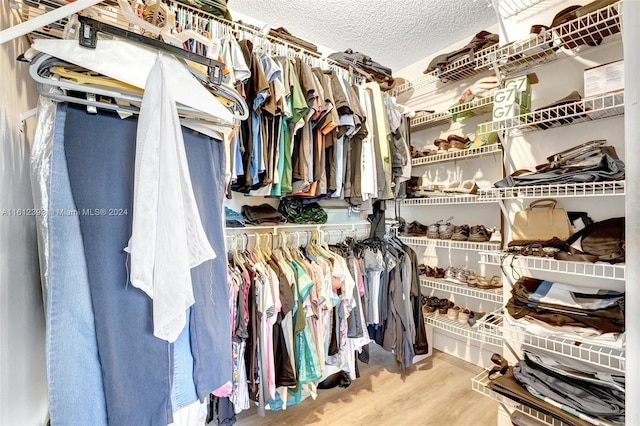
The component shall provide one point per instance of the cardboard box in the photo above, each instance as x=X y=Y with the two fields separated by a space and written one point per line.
x=523 y=84
x=603 y=79
x=506 y=103
x=505 y=111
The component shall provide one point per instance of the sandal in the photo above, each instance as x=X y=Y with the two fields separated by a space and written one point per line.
x=450 y=274
x=457 y=142
x=462 y=276
x=472 y=279
x=490 y=284
x=442 y=144
x=438 y=272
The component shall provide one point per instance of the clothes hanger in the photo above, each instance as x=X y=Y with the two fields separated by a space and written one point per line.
x=45 y=65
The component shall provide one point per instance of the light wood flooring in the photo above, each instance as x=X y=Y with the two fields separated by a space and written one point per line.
x=435 y=391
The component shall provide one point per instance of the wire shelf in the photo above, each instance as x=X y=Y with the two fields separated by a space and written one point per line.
x=441 y=322
x=491 y=324
x=447 y=199
x=480 y=384
x=457 y=70
x=430 y=120
x=470 y=109
x=585 y=269
x=589 y=109
x=590 y=189
x=556 y=43
x=459 y=245
x=510 y=8
x=575 y=348
x=457 y=155
x=491 y=295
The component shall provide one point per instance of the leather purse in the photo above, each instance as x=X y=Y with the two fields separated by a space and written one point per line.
x=541 y=221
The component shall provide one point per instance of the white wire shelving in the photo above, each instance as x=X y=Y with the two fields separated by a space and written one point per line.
x=446 y=199
x=450 y=244
x=441 y=322
x=568 y=39
x=480 y=384
x=590 y=189
x=576 y=348
x=588 y=109
x=295 y=235
x=453 y=114
x=490 y=295
x=450 y=155
x=564 y=40
x=457 y=70
x=535 y=263
x=510 y=8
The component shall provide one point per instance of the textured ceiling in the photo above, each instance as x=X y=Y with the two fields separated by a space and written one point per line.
x=395 y=33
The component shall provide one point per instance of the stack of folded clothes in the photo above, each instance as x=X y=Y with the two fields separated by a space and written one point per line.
x=589 y=315
x=569 y=390
x=264 y=214
x=592 y=161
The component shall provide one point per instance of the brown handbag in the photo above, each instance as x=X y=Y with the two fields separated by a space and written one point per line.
x=541 y=221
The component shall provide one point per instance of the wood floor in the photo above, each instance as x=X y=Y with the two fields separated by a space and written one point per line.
x=436 y=391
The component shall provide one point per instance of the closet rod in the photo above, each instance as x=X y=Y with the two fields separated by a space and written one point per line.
x=236 y=26
x=45 y=19
x=299 y=236
x=284 y=228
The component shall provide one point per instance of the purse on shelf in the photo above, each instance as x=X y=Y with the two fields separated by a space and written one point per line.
x=541 y=221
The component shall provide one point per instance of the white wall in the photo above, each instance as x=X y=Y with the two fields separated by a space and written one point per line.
x=23 y=388
x=630 y=19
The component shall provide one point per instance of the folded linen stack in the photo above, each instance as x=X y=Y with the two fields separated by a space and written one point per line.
x=568 y=311
x=569 y=390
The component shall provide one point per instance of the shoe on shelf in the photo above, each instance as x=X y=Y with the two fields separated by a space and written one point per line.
x=462 y=275
x=445 y=230
x=479 y=234
x=472 y=279
x=450 y=274
x=415 y=228
x=463 y=316
x=474 y=316
x=428 y=310
x=496 y=235
x=460 y=233
x=438 y=272
x=494 y=282
x=453 y=312
x=442 y=144
x=432 y=230
x=468 y=187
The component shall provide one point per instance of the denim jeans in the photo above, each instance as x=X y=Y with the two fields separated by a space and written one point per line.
x=210 y=323
x=76 y=394
x=138 y=367
x=183 y=390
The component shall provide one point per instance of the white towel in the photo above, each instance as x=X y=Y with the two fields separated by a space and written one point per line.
x=167 y=237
